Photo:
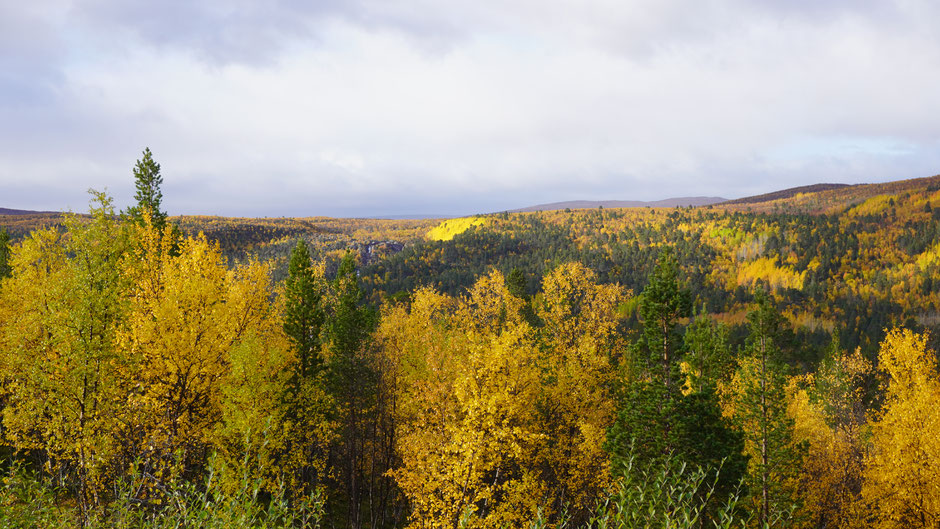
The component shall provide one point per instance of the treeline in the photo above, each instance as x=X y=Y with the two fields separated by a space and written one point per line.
x=145 y=382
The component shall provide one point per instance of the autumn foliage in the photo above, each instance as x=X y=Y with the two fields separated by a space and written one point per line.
x=686 y=368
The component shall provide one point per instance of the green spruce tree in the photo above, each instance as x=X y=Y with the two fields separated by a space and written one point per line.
x=516 y=283
x=307 y=401
x=304 y=314
x=656 y=420
x=707 y=353
x=148 y=180
x=758 y=396
x=662 y=304
x=353 y=382
x=5 y=270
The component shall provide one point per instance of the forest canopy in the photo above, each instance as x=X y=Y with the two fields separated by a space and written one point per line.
x=688 y=367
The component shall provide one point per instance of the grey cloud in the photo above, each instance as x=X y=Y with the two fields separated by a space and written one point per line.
x=386 y=107
x=31 y=54
x=217 y=31
x=245 y=31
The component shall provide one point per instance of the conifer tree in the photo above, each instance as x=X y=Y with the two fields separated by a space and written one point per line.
x=5 y=269
x=516 y=283
x=148 y=180
x=306 y=402
x=352 y=381
x=707 y=353
x=757 y=396
x=303 y=313
x=662 y=304
x=656 y=419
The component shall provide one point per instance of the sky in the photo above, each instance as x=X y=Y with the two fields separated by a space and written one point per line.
x=386 y=107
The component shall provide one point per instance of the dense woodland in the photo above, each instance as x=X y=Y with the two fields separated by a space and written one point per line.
x=762 y=365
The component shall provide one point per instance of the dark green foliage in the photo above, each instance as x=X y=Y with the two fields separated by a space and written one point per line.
x=662 y=304
x=4 y=253
x=304 y=314
x=350 y=323
x=353 y=379
x=453 y=266
x=147 y=180
x=239 y=241
x=710 y=442
x=28 y=500
x=646 y=426
x=655 y=418
x=669 y=493
x=304 y=319
x=516 y=283
x=668 y=434
x=656 y=421
x=822 y=247
x=767 y=328
x=707 y=352
x=761 y=410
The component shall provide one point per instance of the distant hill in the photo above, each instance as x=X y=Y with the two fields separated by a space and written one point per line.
x=7 y=211
x=594 y=204
x=19 y=222
x=829 y=198
x=787 y=193
x=815 y=198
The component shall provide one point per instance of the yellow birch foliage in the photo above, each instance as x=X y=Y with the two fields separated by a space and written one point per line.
x=902 y=475
x=489 y=307
x=579 y=338
x=270 y=419
x=62 y=308
x=827 y=412
x=494 y=421
x=30 y=345
x=187 y=313
x=466 y=382
x=425 y=353
x=274 y=423
x=766 y=268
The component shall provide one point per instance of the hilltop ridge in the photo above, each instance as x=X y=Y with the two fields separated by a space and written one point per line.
x=829 y=198
x=593 y=204
x=788 y=193
x=8 y=211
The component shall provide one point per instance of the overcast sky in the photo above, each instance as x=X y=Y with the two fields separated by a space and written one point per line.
x=376 y=107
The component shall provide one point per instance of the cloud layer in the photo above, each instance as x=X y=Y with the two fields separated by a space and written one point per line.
x=383 y=107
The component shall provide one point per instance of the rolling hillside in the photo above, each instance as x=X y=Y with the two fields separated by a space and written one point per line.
x=594 y=204
x=829 y=198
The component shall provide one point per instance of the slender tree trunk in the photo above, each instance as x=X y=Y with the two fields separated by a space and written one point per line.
x=666 y=374
x=765 y=497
